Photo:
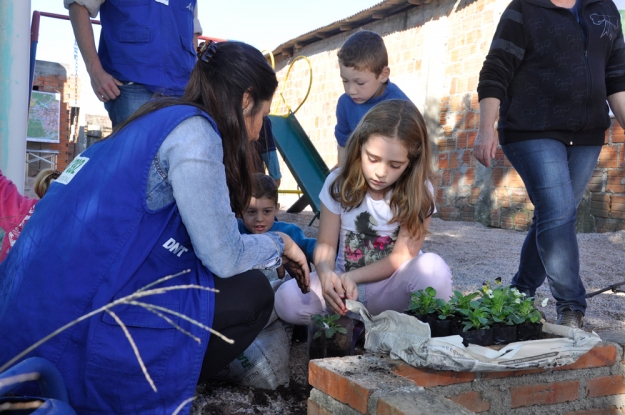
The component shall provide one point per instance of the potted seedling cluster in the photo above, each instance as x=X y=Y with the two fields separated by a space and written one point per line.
x=492 y=315
x=330 y=336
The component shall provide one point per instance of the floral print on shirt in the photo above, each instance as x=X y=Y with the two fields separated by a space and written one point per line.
x=365 y=246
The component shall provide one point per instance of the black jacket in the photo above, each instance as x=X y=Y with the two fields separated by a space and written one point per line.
x=551 y=75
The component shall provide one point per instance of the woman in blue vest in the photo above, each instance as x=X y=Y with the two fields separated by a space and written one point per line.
x=156 y=198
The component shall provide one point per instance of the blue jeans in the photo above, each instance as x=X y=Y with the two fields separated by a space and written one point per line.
x=555 y=176
x=132 y=96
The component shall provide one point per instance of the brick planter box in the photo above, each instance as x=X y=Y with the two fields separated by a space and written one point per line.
x=375 y=384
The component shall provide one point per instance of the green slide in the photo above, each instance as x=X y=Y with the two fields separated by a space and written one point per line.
x=301 y=157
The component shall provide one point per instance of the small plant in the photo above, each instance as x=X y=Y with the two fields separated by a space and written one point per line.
x=444 y=309
x=328 y=324
x=476 y=318
x=527 y=312
x=460 y=301
x=422 y=301
x=501 y=303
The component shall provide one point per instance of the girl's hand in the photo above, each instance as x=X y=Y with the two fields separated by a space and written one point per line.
x=350 y=286
x=333 y=292
x=296 y=261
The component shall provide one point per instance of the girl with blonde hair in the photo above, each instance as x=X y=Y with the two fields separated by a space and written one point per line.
x=375 y=213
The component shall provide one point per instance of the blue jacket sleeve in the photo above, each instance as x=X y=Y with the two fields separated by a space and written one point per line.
x=297 y=234
x=342 y=130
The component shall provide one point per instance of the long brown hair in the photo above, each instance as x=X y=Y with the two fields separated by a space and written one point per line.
x=411 y=201
x=217 y=86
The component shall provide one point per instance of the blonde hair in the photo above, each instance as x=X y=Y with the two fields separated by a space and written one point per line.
x=411 y=201
x=43 y=180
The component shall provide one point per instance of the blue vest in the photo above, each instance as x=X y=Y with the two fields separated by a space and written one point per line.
x=90 y=242
x=148 y=42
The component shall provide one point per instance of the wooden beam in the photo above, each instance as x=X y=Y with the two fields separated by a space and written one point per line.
x=322 y=35
x=297 y=47
x=415 y=2
x=345 y=27
x=378 y=16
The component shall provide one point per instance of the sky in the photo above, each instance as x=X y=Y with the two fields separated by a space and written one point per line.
x=263 y=24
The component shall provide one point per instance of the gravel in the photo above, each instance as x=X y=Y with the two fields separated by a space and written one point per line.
x=475 y=253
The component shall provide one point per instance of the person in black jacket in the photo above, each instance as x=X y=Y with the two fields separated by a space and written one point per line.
x=550 y=68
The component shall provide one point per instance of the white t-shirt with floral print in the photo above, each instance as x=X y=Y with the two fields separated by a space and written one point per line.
x=366 y=235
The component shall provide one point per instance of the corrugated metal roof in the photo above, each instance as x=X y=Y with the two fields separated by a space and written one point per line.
x=377 y=12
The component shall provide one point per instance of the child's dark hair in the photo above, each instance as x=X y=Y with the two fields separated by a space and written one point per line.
x=411 y=200
x=364 y=50
x=217 y=86
x=264 y=186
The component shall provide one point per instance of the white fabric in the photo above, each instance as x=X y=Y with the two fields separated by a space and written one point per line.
x=93 y=6
x=366 y=235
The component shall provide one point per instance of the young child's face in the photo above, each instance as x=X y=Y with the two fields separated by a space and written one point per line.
x=260 y=215
x=383 y=162
x=361 y=86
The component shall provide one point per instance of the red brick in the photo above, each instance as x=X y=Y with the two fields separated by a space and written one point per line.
x=469 y=121
x=608 y=156
x=596 y=411
x=596 y=181
x=599 y=356
x=615 y=181
x=469 y=177
x=543 y=394
x=498 y=176
x=454 y=163
x=443 y=161
x=605 y=225
x=618 y=135
x=429 y=377
x=514 y=180
x=475 y=194
x=339 y=387
x=471 y=139
x=605 y=386
x=446 y=178
x=447 y=143
x=314 y=409
x=617 y=214
x=461 y=141
x=510 y=373
x=472 y=401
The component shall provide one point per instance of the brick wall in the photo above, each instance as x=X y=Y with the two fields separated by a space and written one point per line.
x=376 y=384
x=435 y=53
x=53 y=77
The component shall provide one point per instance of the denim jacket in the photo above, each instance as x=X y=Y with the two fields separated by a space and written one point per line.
x=188 y=168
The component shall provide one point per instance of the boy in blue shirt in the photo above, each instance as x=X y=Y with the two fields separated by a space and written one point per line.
x=260 y=215
x=363 y=63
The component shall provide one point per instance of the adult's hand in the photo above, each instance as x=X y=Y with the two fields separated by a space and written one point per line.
x=104 y=85
x=296 y=261
x=485 y=146
x=333 y=292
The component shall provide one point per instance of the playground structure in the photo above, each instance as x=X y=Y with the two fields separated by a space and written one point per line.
x=298 y=151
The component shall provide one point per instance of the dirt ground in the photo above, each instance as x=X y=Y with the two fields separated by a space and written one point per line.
x=475 y=253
